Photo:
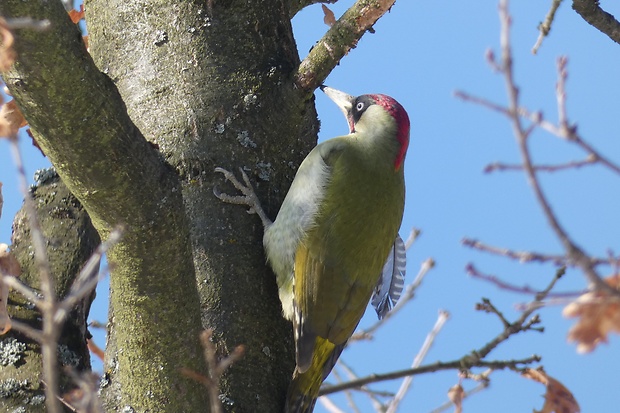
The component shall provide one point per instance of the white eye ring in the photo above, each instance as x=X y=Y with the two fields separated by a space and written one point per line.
x=360 y=106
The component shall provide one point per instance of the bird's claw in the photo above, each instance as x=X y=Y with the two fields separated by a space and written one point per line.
x=248 y=198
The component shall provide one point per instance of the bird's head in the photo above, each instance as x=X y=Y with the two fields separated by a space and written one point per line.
x=375 y=114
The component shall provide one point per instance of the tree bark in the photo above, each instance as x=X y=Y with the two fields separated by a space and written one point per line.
x=212 y=86
x=592 y=13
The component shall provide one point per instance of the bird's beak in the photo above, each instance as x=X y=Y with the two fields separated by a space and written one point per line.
x=344 y=101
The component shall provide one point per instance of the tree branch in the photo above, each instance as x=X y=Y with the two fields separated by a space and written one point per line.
x=545 y=27
x=475 y=358
x=339 y=39
x=438 y=366
x=573 y=252
x=599 y=18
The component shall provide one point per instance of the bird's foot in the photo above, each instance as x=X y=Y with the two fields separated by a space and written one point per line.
x=248 y=198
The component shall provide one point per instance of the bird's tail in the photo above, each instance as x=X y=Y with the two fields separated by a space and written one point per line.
x=304 y=388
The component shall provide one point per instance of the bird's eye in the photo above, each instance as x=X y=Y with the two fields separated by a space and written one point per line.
x=359 y=106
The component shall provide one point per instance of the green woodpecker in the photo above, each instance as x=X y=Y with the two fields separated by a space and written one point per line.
x=335 y=240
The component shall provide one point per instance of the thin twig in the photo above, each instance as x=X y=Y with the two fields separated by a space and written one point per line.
x=407 y=296
x=38 y=241
x=569 y=134
x=521 y=289
x=47 y=305
x=372 y=395
x=545 y=27
x=24 y=328
x=531 y=256
x=88 y=277
x=216 y=367
x=23 y=289
x=428 y=342
x=449 y=404
x=28 y=23
x=572 y=250
x=412 y=237
x=429 y=368
x=498 y=166
x=488 y=307
x=329 y=405
x=347 y=393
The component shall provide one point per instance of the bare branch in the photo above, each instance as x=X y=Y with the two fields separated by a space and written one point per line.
x=545 y=27
x=475 y=358
x=438 y=366
x=413 y=235
x=28 y=23
x=568 y=133
x=497 y=166
x=428 y=342
x=216 y=366
x=329 y=405
x=449 y=404
x=27 y=330
x=372 y=394
x=525 y=289
x=530 y=256
x=488 y=307
x=338 y=41
x=404 y=299
x=88 y=277
x=573 y=252
x=347 y=394
x=591 y=12
x=38 y=241
x=47 y=304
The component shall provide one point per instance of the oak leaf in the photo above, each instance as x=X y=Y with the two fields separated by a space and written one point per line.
x=77 y=15
x=599 y=315
x=329 y=18
x=11 y=119
x=7 y=53
x=456 y=394
x=558 y=399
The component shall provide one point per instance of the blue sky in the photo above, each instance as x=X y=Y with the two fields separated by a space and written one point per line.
x=420 y=54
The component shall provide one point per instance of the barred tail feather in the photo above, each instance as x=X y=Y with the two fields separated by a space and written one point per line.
x=304 y=388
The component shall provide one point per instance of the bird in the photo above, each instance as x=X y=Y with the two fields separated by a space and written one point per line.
x=334 y=244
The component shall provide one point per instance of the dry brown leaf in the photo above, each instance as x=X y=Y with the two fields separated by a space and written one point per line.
x=7 y=53
x=8 y=266
x=599 y=315
x=11 y=119
x=77 y=15
x=95 y=349
x=456 y=394
x=329 y=18
x=558 y=399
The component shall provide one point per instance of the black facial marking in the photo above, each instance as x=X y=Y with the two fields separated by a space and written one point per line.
x=360 y=105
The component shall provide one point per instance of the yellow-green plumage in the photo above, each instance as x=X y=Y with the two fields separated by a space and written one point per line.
x=340 y=258
x=331 y=239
